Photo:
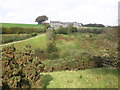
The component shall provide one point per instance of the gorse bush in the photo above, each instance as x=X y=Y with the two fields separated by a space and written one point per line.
x=20 y=69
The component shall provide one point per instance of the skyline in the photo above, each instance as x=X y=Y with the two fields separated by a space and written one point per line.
x=83 y=11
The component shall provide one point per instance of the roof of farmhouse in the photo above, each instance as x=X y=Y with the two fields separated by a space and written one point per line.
x=55 y=22
x=62 y=22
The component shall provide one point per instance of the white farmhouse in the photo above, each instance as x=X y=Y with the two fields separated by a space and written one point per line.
x=57 y=24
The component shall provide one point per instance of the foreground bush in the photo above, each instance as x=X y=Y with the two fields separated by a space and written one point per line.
x=20 y=69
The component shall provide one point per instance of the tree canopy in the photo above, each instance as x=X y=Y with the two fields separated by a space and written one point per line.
x=41 y=19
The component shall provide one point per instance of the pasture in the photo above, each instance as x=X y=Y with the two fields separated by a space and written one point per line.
x=11 y=28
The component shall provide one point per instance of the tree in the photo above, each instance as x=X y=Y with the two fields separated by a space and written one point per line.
x=41 y=19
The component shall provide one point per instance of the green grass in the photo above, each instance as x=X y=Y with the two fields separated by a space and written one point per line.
x=93 y=27
x=39 y=42
x=12 y=28
x=9 y=25
x=90 y=78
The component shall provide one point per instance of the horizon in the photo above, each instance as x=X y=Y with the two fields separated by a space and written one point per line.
x=82 y=11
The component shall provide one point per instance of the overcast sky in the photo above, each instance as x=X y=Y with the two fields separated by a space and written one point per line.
x=83 y=11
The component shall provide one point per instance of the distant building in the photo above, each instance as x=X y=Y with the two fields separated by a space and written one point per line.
x=77 y=25
x=57 y=24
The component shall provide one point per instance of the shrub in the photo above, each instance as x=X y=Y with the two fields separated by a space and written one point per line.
x=33 y=34
x=51 y=42
x=94 y=31
x=51 y=47
x=20 y=69
x=66 y=30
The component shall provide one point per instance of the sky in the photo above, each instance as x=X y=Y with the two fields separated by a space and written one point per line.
x=82 y=11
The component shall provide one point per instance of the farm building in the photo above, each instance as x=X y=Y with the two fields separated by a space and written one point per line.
x=57 y=24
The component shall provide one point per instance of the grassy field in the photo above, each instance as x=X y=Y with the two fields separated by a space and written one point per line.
x=37 y=43
x=10 y=25
x=11 y=28
x=90 y=78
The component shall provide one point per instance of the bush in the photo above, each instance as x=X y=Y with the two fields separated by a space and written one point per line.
x=51 y=42
x=20 y=69
x=94 y=31
x=67 y=30
x=33 y=34
x=51 y=47
x=70 y=62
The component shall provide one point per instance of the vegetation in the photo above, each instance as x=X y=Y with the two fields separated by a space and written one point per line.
x=94 y=25
x=9 y=28
x=20 y=69
x=6 y=38
x=75 y=50
x=41 y=19
x=67 y=30
x=91 y=30
x=90 y=78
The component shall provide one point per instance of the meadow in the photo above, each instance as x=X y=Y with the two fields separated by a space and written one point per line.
x=90 y=78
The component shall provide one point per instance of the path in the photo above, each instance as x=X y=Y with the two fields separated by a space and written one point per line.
x=22 y=40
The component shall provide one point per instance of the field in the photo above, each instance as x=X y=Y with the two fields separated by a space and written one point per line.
x=90 y=78
x=11 y=28
x=81 y=60
x=10 y=25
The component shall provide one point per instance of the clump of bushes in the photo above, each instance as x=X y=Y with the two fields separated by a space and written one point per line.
x=66 y=30
x=70 y=62
x=94 y=31
x=20 y=69
x=51 y=45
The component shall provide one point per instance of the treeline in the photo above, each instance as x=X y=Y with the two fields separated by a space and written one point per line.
x=71 y=29
x=94 y=31
x=93 y=25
